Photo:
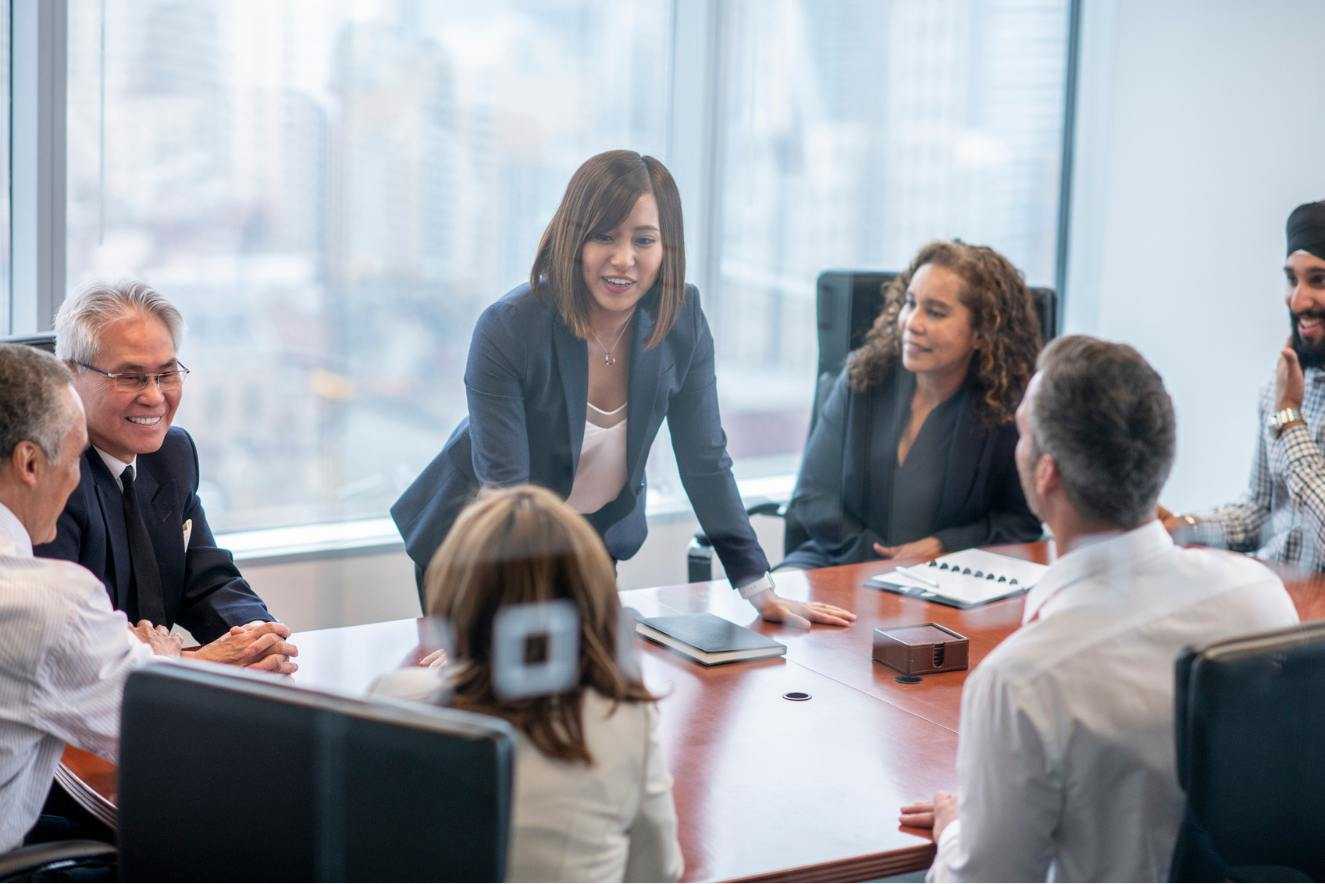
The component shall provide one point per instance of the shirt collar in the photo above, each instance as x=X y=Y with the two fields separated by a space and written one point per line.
x=14 y=539
x=1120 y=551
x=113 y=463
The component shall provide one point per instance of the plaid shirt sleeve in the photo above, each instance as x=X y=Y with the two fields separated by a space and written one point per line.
x=1305 y=476
x=1239 y=526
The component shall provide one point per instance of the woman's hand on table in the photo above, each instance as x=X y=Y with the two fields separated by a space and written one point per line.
x=775 y=609
x=924 y=550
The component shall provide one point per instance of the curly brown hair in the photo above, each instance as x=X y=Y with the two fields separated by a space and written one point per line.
x=1007 y=331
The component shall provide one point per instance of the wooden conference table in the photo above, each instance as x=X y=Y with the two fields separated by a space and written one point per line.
x=766 y=788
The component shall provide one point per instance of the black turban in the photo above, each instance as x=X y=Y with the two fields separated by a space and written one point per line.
x=1306 y=229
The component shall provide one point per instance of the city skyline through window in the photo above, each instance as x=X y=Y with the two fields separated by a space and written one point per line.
x=332 y=192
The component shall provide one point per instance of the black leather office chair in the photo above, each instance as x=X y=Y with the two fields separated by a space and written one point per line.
x=57 y=860
x=846 y=304
x=1249 y=714
x=226 y=775
x=40 y=340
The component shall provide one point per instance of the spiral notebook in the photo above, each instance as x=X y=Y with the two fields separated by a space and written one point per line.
x=963 y=579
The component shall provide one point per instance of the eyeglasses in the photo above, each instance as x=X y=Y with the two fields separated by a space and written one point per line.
x=138 y=381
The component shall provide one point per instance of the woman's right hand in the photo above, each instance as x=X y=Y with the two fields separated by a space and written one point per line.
x=775 y=609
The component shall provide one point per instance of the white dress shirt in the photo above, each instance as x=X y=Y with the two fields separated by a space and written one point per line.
x=1065 y=758
x=64 y=655
x=115 y=465
x=614 y=821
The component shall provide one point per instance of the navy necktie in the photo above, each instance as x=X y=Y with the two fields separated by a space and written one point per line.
x=146 y=575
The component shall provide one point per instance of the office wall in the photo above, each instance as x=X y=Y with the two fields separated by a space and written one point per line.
x=1200 y=128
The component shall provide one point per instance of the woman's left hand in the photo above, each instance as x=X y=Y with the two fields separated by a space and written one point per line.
x=924 y=550
x=776 y=609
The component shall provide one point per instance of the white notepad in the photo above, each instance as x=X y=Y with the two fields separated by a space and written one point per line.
x=963 y=579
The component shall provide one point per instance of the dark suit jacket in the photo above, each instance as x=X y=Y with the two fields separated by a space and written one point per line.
x=526 y=384
x=203 y=590
x=981 y=503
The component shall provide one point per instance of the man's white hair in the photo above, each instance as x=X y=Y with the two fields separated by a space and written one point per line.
x=86 y=313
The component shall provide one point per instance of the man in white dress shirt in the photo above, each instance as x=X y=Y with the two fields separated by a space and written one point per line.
x=1065 y=756
x=64 y=654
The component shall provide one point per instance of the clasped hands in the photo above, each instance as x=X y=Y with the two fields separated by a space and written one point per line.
x=926 y=549
x=256 y=645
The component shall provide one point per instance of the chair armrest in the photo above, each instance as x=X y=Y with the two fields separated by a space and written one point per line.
x=699 y=555
x=776 y=508
x=27 y=863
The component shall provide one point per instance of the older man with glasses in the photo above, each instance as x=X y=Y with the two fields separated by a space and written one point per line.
x=135 y=520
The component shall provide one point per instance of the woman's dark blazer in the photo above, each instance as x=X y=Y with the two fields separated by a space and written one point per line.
x=981 y=503
x=526 y=383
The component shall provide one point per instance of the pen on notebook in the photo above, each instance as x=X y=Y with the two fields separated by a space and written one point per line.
x=917 y=576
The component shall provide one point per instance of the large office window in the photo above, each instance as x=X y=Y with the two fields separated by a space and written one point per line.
x=852 y=133
x=333 y=189
x=332 y=192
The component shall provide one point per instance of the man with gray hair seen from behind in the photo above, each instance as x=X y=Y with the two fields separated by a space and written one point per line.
x=64 y=654
x=1065 y=756
x=135 y=520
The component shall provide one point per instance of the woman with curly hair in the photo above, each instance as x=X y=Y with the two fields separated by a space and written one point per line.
x=912 y=455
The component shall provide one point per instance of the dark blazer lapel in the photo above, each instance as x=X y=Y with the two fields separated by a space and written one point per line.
x=111 y=500
x=970 y=438
x=645 y=369
x=573 y=365
x=164 y=525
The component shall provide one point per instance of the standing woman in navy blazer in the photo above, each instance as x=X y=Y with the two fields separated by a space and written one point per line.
x=571 y=375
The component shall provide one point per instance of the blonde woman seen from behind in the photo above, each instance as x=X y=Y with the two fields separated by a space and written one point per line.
x=593 y=797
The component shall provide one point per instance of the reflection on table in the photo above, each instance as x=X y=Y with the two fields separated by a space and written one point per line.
x=766 y=788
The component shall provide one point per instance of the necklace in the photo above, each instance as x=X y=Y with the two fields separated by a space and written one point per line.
x=609 y=359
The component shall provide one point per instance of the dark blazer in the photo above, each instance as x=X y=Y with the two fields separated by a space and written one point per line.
x=203 y=590
x=527 y=383
x=981 y=502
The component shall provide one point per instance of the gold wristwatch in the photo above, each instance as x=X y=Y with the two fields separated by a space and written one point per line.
x=1282 y=418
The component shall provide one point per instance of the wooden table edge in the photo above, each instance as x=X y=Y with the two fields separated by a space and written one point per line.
x=860 y=868
x=85 y=795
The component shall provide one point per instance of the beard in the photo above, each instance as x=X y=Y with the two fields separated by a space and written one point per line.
x=1308 y=354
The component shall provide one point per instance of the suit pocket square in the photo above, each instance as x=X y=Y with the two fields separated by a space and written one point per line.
x=188 y=532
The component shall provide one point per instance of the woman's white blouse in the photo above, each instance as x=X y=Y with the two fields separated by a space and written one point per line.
x=602 y=469
x=613 y=821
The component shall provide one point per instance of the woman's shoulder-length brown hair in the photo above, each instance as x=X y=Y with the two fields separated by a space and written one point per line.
x=524 y=545
x=600 y=195
x=1007 y=330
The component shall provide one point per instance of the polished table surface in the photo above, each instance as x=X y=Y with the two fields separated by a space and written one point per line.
x=766 y=788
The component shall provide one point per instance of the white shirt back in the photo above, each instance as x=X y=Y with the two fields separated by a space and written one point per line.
x=1066 y=749
x=614 y=821
x=64 y=656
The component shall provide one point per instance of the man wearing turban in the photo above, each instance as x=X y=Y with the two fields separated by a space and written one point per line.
x=1283 y=515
